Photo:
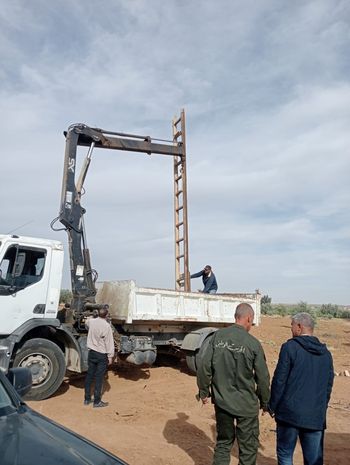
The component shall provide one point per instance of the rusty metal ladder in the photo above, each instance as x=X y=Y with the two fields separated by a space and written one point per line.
x=182 y=274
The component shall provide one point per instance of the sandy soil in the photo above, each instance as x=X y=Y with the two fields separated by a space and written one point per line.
x=154 y=419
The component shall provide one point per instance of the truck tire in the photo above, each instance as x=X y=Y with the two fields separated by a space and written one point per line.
x=191 y=361
x=47 y=364
x=194 y=359
x=202 y=350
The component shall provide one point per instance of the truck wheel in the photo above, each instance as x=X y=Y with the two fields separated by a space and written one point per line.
x=202 y=350
x=191 y=361
x=47 y=364
x=194 y=359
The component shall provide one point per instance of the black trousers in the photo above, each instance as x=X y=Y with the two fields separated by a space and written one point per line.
x=97 y=364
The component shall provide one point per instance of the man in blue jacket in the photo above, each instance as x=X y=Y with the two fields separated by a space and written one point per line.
x=209 y=280
x=300 y=392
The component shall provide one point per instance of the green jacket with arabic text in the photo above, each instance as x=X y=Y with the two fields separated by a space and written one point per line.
x=234 y=370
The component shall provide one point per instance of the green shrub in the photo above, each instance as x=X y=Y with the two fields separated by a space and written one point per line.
x=331 y=311
x=325 y=311
x=267 y=309
x=282 y=310
x=304 y=307
x=266 y=306
x=65 y=296
x=265 y=299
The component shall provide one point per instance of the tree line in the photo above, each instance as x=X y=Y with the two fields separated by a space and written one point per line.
x=322 y=311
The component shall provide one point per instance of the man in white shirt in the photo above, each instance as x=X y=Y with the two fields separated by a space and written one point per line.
x=101 y=352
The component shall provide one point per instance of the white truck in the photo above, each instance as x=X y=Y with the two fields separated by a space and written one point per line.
x=149 y=324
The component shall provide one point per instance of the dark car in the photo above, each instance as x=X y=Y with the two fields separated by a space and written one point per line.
x=26 y=437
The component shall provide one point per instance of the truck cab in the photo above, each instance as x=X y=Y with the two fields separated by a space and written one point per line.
x=30 y=280
x=30 y=333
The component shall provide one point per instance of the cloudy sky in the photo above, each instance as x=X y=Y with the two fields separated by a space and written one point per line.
x=265 y=87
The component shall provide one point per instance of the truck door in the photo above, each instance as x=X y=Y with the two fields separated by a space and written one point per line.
x=24 y=280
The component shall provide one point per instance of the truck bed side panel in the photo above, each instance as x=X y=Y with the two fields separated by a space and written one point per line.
x=130 y=304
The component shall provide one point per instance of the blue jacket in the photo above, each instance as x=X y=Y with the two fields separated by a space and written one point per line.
x=209 y=282
x=302 y=383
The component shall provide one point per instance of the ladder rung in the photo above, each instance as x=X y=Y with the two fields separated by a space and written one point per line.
x=178 y=178
x=178 y=163
x=180 y=240
x=178 y=134
x=179 y=224
x=180 y=256
x=179 y=193
x=178 y=121
x=179 y=208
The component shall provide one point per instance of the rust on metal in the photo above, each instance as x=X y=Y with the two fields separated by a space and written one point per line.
x=182 y=274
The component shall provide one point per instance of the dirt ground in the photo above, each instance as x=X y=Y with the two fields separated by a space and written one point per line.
x=153 y=417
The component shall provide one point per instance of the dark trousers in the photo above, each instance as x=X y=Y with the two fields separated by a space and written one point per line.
x=311 y=444
x=229 y=426
x=97 y=364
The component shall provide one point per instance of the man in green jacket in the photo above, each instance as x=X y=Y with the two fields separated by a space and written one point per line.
x=234 y=370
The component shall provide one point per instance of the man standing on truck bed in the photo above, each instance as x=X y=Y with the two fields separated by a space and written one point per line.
x=209 y=280
x=101 y=352
x=234 y=368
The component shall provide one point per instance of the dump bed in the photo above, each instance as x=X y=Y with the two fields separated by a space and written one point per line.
x=131 y=304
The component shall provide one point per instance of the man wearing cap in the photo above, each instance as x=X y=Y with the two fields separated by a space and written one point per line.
x=101 y=352
x=209 y=280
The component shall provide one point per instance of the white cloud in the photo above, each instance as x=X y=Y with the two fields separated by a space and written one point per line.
x=266 y=91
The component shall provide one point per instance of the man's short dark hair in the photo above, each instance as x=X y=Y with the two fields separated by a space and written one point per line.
x=103 y=311
x=207 y=267
x=243 y=310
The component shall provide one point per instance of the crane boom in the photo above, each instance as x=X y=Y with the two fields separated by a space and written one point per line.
x=71 y=213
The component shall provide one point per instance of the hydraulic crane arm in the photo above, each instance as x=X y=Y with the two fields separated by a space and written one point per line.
x=71 y=211
x=107 y=140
